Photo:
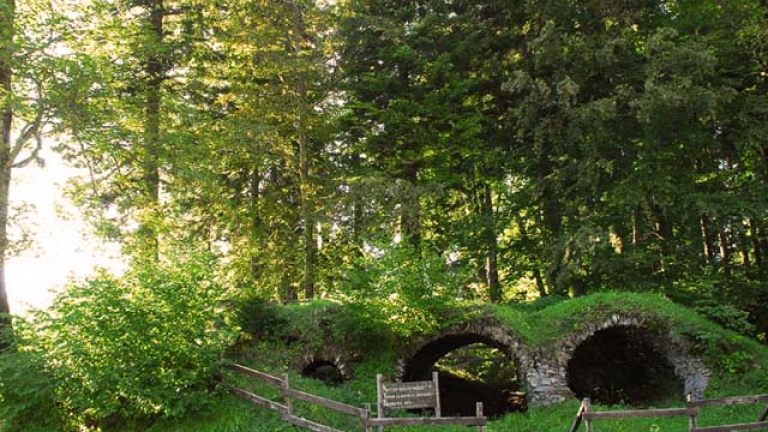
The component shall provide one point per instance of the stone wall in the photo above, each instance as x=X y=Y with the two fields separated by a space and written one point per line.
x=544 y=371
x=548 y=378
x=481 y=330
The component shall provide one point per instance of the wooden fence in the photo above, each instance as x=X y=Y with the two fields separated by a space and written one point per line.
x=288 y=394
x=587 y=416
x=401 y=396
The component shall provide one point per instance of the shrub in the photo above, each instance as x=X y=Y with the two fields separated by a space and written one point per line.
x=727 y=316
x=138 y=347
x=402 y=288
x=260 y=318
x=27 y=392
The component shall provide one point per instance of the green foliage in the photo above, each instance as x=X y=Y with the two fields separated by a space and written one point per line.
x=27 y=390
x=137 y=347
x=403 y=288
x=541 y=303
x=739 y=370
x=726 y=315
x=356 y=326
x=260 y=318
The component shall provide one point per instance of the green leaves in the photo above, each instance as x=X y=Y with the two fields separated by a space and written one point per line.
x=139 y=346
x=399 y=286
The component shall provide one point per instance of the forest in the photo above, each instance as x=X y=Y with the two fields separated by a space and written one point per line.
x=399 y=158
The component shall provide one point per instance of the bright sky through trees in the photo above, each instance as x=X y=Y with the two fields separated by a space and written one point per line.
x=63 y=246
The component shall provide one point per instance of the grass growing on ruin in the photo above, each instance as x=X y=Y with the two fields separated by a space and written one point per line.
x=739 y=366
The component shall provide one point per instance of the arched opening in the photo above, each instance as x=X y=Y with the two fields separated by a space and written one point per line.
x=622 y=364
x=472 y=368
x=324 y=371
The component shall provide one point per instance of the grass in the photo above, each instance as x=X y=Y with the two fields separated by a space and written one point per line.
x=739 y=364
x=229 y=414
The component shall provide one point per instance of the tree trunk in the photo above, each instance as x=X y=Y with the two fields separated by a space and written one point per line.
x=725 y=253
x=755 y=244
x=7 y=16
x=5 y=182
x=410 y=216
x=307 y=216
x=637 y=227
x=709 y=240
x=539 y=283
x=553 y=226
x=491 y=254
x=743 y=240
x=255 y=240
x=156 y=64
x=663 y=229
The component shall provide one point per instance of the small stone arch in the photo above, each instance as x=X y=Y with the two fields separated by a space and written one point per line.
x=331 y=358
x=653 y=338
x=417 y=362
x=325 y=371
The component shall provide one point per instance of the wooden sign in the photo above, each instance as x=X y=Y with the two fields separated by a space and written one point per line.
x=409 y=395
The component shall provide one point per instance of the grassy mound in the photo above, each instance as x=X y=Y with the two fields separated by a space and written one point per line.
x=287 y=339
x=739 y=365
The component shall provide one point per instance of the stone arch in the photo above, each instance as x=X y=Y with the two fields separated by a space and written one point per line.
x=656 y=339
x=329 y=357
x=417 y=362
x=325 y=371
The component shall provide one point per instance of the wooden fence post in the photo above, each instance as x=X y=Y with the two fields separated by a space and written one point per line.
x=764 y=415
x=438 y=413
x=578 y=419
x=587 y=406
x=380 y=399
x=367 y=417
x=479 y=413
x=692 y=420
x=284 y=391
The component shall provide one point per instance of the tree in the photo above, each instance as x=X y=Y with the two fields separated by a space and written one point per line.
x=7 y=27
x=29 y=97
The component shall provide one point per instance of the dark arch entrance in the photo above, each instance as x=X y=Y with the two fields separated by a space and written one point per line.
x=623 y=364
x=325 y=371
x=473 y=368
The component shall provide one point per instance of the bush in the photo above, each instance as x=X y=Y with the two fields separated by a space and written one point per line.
x=727 y=316
x=260 y=318
x=402 y=288
x=139 y=347
x=27 y=393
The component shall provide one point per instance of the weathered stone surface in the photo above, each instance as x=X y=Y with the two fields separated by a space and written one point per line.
x=548 y=378
x=330 y=354
x=547 y=383
x=543 y=372
x=484 y=330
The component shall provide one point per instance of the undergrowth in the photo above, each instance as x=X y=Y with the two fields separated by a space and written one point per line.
x=276 y=336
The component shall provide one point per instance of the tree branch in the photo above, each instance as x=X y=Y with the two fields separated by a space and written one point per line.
x=30 y=131
x=33 y=131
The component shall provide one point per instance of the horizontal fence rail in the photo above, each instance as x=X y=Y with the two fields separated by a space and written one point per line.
x=584 y=415
x=258 y=400
x=761 y=424
x=289 y=394
x=426 y=421
x=587 y=416
x=617 y=415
